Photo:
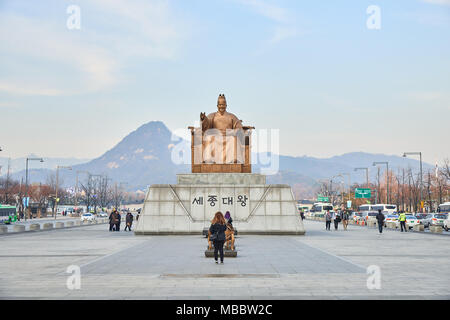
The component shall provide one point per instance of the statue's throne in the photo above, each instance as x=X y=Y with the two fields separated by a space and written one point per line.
x=219 y=152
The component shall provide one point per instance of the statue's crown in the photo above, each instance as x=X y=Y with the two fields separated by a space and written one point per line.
x=221 y=96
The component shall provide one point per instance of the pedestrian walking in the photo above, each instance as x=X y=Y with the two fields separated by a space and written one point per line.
x=217 y=230
x=302 y=215
x=337 y=219
x=380 y=218
x=111 y=220
x=117 y=220
x=129 y=221
x=345 y=218
x=327 y=220
x=402 y=219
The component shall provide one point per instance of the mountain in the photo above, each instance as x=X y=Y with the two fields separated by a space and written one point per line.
x=144 y=157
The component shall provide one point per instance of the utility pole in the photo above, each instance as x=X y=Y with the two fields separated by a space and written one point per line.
x=421 y=181
x=26 y=188
x=56 y=191
x=387 y=177
x=367 y=174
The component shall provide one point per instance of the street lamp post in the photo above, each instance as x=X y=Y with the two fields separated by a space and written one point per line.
x=120 y=187
x=349 y=185
x=367 y=174
x=387 y=177
x=76 y=186
x=331 y=181
x=95 y=195
x=56 y=191
x=421 y=182
x=26 y=183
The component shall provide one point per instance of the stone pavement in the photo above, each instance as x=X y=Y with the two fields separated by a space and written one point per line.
x=320 y=265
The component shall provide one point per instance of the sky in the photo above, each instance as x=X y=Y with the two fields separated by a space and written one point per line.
x=314 y=70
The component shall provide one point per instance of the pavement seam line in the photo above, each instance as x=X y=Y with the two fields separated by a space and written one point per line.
x=333 y=255
x=106 y=256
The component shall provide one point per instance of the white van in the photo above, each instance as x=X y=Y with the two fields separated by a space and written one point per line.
x=319 y=209
x=365 y=208
x=385 y=208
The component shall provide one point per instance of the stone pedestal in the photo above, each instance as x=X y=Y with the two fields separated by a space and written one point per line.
x=47 y=226
x=419 y=227
x=189 y=206
x=18 y=228
x=59 y=225
x=35 y=227
x=436 y=229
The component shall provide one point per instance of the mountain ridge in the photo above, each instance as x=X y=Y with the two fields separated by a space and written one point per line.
x=144 y=157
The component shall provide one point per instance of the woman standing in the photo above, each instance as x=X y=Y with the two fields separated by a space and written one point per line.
x=129 y=221
x=217 y=230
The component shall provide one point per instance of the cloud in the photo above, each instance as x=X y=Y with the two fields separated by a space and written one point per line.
x=55 y=61
x=267 y=10
x=54 y=50
x=284 y=27
x=147 y=28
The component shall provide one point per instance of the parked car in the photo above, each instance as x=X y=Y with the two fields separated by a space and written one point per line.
x=412 y=221
x=390 y=218
x=447 y=223
x=102 y=214
x=356 y=216
x=369 y=215
x=87 y=217
x=421 y=217
x=434 y=219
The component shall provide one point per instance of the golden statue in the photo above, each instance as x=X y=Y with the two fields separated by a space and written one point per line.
x=221 y=144
x=221 y=120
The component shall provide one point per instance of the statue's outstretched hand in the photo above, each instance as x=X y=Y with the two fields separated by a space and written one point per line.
x=202 y=116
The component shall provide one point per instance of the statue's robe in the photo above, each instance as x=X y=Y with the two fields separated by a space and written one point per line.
x=223 y=138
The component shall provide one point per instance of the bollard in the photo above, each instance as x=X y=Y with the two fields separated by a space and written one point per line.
x=47 y=226
x=77 y=223
x=59 y=225
x=35 y=226
x=69 y=224
x=18 y=228
x=419 y=227
x=436 y=229
x=3 y=229
x=371 y=224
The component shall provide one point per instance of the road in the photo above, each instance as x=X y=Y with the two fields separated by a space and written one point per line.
x=320 y=265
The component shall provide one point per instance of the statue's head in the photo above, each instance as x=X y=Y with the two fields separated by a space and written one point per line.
x=221 y=104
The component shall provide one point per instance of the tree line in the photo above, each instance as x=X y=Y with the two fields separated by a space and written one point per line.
x=405 y=189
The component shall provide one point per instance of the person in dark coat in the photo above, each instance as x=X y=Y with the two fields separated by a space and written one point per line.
x=327 y=220
x=228 y=218
x=217 y=229
x=345 y=217
x=337 y=219
x=117 y=220
x=129 y=221
x=111 y=220
x=380 y=219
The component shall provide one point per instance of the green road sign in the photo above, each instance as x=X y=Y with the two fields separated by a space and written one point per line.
x=362 y=193
x=322 y=199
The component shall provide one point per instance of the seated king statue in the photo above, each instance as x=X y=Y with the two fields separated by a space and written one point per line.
x=220 y=140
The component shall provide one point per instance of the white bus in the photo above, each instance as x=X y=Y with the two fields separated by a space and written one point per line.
x=444 y=208
x=385 y=208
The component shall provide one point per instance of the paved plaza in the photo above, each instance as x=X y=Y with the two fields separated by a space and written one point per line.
x=320 y=265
